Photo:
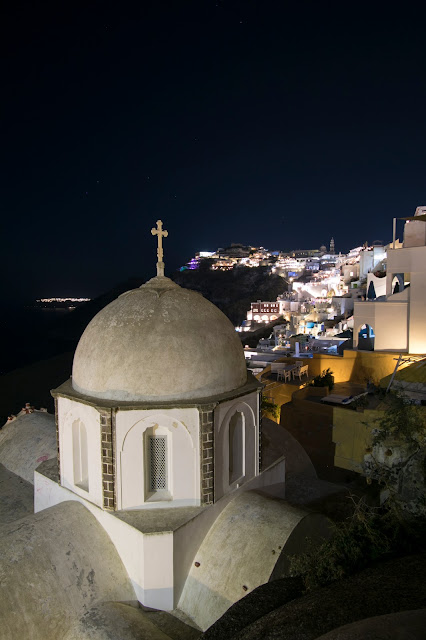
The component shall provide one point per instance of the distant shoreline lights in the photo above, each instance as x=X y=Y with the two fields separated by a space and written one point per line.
x=63 y=300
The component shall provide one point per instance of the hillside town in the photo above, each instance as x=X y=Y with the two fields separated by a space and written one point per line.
x=321 y=307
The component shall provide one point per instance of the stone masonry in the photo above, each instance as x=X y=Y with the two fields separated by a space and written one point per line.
x=207 y=454
x=107 y=460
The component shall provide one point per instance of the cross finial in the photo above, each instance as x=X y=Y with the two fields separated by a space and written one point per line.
x=161 y=234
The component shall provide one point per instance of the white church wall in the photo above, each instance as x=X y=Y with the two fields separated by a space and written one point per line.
x=157 y=564
x=250 y=540
x=148 y=558
x=73 y=414
x=188 y=538
x=181 y=429
x=225 y=479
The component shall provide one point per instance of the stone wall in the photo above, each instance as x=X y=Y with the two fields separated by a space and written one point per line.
x=207 y=454
x=107 y=459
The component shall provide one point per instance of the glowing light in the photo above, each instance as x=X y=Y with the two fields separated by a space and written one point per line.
x=63 y=300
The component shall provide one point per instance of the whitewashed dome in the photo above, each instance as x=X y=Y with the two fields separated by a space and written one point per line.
x=159 y=342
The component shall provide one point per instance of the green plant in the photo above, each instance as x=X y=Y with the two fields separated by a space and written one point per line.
x=324 y=379
x=268 y=406
x=371 y=533
x=397 y=457
x=396 y=460
x=359 y=403
x=401 y=421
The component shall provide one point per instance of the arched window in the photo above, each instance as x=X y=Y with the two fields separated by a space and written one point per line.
x=236 y=447
x=80 y=455
x=399 y=282
x=371 y=293
x=366 y=338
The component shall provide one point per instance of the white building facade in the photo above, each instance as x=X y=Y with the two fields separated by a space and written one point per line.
x=396 y=322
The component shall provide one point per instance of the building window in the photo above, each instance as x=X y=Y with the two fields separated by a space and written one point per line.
x=157 y=455
x=157 y=464
x=236 y=448
x=80 y=455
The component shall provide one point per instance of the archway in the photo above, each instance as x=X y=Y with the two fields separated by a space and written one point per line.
x=371 y=293
x=397 y=283
x=366 y=338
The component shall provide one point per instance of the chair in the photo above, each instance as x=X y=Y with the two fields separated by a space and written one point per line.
x=287 y=376
x=296 y=369
x=302 y=371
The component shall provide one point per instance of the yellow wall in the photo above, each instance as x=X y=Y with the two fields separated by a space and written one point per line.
x=354 y=366
x=280 y=394
x=352 y=435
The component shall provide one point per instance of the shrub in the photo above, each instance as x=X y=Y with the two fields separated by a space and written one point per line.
x=324 y=379
x=397 y=457
x=401 y=421
x=359 y=403
x=370 y=534
x=396 y=460
x=268 y=406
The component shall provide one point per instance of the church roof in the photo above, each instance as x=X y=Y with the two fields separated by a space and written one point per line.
x=26 y=442
x=159 y=342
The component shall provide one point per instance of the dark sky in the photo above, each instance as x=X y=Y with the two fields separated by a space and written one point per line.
x=272 y=123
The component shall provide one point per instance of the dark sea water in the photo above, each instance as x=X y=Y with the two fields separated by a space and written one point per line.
x=25 y=335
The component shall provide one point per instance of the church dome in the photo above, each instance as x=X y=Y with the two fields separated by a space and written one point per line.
x=159 y=342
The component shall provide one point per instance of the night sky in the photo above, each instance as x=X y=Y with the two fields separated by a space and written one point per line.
x=271 y=123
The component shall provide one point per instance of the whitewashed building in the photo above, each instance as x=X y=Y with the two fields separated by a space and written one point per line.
x=396 y=322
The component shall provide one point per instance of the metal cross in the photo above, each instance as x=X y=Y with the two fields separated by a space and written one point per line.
x=160 y=233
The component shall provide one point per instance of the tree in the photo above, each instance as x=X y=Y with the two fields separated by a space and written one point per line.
x=397 y=457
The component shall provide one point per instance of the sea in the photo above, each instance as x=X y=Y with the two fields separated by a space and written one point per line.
x=24 y=334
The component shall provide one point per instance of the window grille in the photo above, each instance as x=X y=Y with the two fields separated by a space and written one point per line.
x=158 y=463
